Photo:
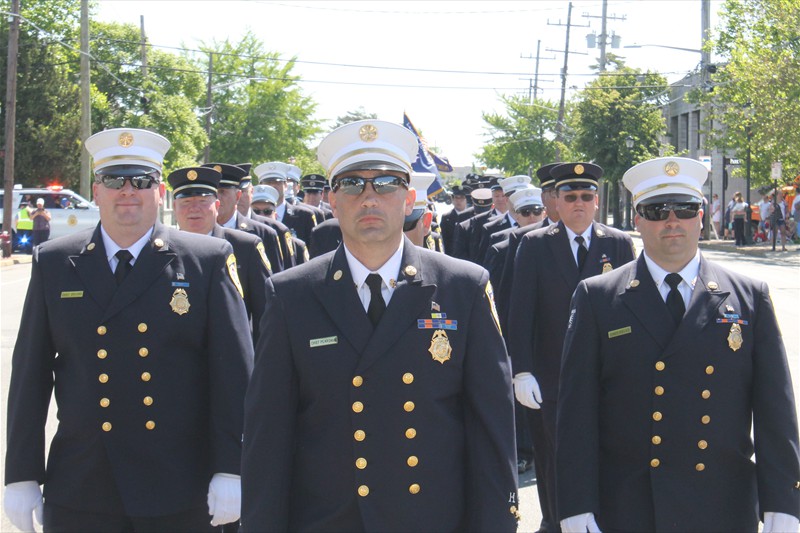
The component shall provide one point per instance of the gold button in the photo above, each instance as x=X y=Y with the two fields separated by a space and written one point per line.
x=103 y=378
x=363 y=490
x=358 y=407
x=709 y=370
x=101 y=330
x=102 y=354
x=145 y=376
x=702 y=445
x=414 y=489
x=657 y=416
x=705 y=419
x=411 y=433
x=359 y=435
x=659 y=390
x=142 y=327
x=412 y=461
x=706 y=394
x=408 y=378
x=150 y=424
x=660 y=366
x=106 y=426
x=361 y=463
x=105 y=402
x=144 y=352
x=148 y=400
x=408 y=406
x=699 y=467
x=654 y=463
x=656 y=440
x=357 y=381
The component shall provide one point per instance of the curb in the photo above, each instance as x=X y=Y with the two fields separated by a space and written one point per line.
x=763 y=251
x=16 y=259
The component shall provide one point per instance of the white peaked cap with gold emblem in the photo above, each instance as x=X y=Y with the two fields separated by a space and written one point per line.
x=678 y=177
x=293 y=173
x=265 y=193
x=276 y=170
x=528 y=196
x=368 y=145
x=514 y=183
x=420 y=182
x=127 y=146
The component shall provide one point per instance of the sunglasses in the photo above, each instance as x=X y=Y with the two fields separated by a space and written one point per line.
x=355 y=184
x=137 y=182
x=658 y=212
x=528 y=211
x=584 y=196
x=267 y=211
x=408 y=226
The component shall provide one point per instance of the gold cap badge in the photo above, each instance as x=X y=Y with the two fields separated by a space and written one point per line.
x=218 y=168
x=671 y=168
x=125 y=139
x=368 y=133
x=191 y=175
x=579 y=169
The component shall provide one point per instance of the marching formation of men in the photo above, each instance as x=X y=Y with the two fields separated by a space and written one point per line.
x=350 y=363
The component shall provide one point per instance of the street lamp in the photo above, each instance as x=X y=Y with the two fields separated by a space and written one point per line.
x=629 y=145
x=664 y=46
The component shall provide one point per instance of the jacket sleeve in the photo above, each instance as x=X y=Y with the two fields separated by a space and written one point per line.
x=522 y=307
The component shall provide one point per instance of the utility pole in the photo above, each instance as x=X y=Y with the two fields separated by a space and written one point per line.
x=209 y=103
x=11 y=119
x=86 y=102
x=533 y=88
x=144 y=100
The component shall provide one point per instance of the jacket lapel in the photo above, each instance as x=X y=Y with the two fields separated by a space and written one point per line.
x=338 y=293
x=152 y=261
x=641 y=296
x=561 y=251
x=91 y=266
x=410 y=299
x=707 y=296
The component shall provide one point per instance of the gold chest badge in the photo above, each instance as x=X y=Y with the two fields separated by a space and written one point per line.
x=440 y=346
x=735 y=337
x=607 y=267
x=180 y=302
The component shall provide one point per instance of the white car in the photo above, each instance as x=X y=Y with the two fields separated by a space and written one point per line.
x=69 y=211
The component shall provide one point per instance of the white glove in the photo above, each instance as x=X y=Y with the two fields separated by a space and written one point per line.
x=526 y=389
x=580 y=523
x=780 y=523
x=224 y=499
x=23 y=498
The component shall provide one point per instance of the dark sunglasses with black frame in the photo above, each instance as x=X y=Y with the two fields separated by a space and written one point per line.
x=267 y=211
x=660 y=211
x=355 y=185
x=144 y=181
x=530 y=210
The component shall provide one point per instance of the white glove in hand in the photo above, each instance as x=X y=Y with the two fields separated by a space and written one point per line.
x=526 y=389
x=224 y=499
x=780 y=523
x=23 y=500
x=580 y=523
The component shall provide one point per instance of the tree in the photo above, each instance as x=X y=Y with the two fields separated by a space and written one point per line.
x=521 y=139
x=756 y=93
x=353 y=116
x=621 y=102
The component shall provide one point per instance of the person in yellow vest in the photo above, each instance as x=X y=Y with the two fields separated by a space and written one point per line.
x=24 y=226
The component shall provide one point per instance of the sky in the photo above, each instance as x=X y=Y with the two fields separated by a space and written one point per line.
x=444 y=63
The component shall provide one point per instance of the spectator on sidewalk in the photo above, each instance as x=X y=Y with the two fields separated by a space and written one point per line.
x=738 y=216
x=716 y=215
x=41 y=223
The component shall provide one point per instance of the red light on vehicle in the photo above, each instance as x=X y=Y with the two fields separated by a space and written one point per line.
x=55 y=187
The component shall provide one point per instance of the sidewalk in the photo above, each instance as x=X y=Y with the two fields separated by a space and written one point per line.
x=763 y=249
x=15 y=259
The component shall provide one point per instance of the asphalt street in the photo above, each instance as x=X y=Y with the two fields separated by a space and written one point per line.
x=781 y=270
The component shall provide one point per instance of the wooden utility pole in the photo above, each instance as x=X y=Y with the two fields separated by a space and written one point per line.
x=11 y=119
x=86 y=103
x=209 y=104
x=561 y=103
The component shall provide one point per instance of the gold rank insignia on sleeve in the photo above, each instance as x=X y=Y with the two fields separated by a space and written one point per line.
x=263 y=254
x=289 y=244
x=180 y=302
x=490 y=297
x=440 y=346
x=735 y=337
x=234 y=274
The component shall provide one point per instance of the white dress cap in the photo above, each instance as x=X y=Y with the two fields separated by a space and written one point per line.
x=420 y=182
x=276 y=170
x=265 y=193
x=527 y=196
x=368 y=141
x=293 y=173
x=514 y=183
x=126 y=146
x=666 y=176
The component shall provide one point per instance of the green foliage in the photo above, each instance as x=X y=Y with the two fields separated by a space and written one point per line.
x=756 y=93
x=353 y=116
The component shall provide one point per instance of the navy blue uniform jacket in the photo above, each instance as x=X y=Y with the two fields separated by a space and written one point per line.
x=353 y=429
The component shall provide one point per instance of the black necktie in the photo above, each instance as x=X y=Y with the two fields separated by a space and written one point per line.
x=376 y=303
x=582 y=252
x=675 y=303
x=123 y=265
